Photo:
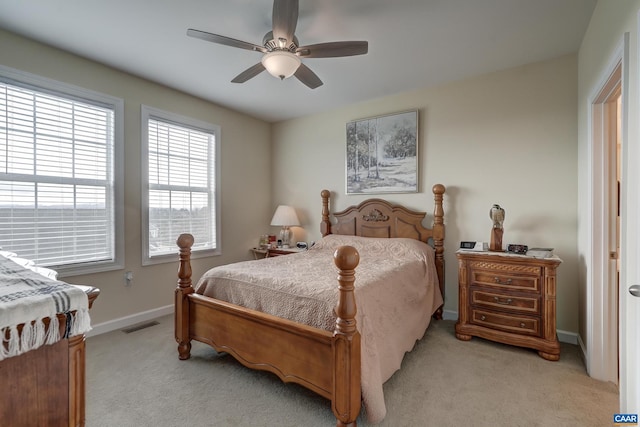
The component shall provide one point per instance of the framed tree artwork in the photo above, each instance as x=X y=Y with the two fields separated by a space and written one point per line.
x=382 y=154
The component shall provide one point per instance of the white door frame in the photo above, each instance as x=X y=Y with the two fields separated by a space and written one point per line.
x=601 y=313
x=630 y=274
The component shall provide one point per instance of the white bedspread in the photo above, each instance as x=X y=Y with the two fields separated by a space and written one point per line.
x=396 y=293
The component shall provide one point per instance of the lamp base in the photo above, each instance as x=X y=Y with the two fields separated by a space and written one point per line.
x=285 y=236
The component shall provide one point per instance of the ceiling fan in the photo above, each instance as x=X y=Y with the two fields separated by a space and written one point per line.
x=281 y=49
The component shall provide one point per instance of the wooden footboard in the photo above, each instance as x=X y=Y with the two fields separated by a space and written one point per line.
x=327 y=363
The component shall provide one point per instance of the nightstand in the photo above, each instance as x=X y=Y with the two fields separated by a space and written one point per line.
x=267 y=253
x=509 y=299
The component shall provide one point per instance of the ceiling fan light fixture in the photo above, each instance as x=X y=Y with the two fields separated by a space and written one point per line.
x=281 y=64
x=281 y=49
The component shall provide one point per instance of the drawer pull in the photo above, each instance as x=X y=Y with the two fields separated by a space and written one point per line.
x=503 y=301
x=522 y=325
x=483 y=317
x=506 y=282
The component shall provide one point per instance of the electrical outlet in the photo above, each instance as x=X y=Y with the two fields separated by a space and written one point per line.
x=128 y=278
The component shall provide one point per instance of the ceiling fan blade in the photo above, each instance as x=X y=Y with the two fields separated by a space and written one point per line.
x=333 y=49
x=285 y=19
x=308 y=77
x=227 y=41
x=249 y=73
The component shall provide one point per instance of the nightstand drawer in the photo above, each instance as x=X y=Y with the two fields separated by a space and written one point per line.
x=506 y=281
x=490 y=300
x=505 y=322
x=271 y=252
x=278 y=252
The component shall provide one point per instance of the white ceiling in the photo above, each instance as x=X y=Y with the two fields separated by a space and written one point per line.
x=412 y=43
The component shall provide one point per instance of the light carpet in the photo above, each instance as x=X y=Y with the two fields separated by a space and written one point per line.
x=137 y=380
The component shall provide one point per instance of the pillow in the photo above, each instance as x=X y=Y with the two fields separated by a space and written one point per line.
x=393 y=247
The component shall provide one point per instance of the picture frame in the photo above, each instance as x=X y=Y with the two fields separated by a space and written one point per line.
x=382 y=154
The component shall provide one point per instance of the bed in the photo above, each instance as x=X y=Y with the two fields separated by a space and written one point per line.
x=332 y=355
x=43 y=381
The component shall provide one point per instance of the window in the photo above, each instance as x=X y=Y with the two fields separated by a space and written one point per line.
x=59 y=180
x=180 y=157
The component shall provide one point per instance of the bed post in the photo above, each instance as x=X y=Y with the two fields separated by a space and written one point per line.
x=438 y=239
x=184 y=242
x=347 y=397
x=325 y=224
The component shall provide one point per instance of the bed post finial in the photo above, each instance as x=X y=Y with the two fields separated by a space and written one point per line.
x=346 y=383
x=346 y=259
x=184 y=242
x=325 y=224
x=438 y=239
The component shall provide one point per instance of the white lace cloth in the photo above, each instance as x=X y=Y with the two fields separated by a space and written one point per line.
x=28 y=297
x=396 y=293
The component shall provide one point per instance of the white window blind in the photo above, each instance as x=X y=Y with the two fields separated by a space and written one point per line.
x=56 y=177
x=181 y=185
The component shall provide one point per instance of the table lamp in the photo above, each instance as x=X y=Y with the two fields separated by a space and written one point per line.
x=285 y=216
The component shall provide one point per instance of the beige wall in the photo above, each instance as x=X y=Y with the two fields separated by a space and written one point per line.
x=610 y=20
x=245 y=150
x=509 y=137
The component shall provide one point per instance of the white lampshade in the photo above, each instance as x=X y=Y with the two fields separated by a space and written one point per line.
x=281 y=63
x=285 y=216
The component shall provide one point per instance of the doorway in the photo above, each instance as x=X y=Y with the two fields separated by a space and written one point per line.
x=606 y=160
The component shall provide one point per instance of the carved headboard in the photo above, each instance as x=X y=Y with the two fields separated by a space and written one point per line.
x=379 y=218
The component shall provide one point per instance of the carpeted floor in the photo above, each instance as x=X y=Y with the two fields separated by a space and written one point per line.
x=136 y=380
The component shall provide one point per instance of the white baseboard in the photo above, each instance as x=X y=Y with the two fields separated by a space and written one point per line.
x=563 y=336
x=123 y=322
x=449 y=315
x=583 y=353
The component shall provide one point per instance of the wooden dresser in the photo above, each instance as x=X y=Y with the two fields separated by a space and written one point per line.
x=46 y=386
x=508 y=298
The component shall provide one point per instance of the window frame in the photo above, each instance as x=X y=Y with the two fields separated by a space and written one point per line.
x=146 y=113
x=69 y=91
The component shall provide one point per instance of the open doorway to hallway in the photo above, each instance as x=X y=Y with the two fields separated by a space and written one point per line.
x=607 y=133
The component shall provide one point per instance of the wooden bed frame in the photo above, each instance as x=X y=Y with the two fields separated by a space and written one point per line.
x=46 y=386
x=328 y=363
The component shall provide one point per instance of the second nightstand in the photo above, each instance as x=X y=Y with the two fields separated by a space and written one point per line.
x=508 y=298
x=267 y=253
